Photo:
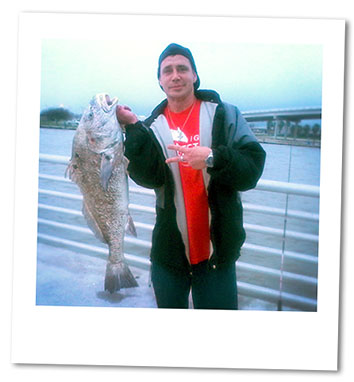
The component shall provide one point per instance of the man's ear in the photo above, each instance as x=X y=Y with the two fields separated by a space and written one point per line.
x=161 y=87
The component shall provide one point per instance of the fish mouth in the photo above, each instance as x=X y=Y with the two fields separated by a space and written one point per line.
x=106 y=102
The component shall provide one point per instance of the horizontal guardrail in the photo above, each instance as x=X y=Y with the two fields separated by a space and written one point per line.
x=147 y=244
x=264 y=185
x=246 y=206
x=251 y=247
x=250 y=227
x=248 y=289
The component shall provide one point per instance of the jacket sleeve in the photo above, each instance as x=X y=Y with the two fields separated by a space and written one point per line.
x=239 y=163
x=146 y=166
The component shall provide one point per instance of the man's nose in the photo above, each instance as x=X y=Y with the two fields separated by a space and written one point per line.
x=175 y=75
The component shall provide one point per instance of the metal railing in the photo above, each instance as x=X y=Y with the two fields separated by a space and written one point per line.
x=303 y=287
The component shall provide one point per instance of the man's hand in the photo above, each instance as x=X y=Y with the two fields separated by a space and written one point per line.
x=125 y=115
x=193 y=156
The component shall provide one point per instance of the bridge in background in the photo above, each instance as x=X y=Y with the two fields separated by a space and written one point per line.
x=284 y=123
x=293 y=115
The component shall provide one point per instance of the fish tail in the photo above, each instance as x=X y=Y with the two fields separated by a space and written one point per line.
x=118 y=276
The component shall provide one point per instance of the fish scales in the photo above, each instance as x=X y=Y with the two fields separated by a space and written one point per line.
x=98 y=167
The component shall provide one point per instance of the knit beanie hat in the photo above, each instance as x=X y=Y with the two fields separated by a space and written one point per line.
x=174 y=49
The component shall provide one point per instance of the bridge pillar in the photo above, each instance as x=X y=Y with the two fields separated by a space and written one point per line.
x=287 y=128
x=277 y=127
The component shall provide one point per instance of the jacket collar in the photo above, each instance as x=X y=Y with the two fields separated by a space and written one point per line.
x=204 y=95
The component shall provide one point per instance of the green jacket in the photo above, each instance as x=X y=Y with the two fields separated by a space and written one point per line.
x=238 y=164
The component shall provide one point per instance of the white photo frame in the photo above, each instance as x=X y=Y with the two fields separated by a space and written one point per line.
x=201 y=339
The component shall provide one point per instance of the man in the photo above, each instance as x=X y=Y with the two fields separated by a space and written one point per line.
x=197 y=159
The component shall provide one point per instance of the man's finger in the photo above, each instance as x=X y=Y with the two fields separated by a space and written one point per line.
x=173 y=159
x=123 y=107
x=182 y=149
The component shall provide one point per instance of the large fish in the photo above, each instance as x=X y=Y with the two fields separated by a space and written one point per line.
x=98 y=166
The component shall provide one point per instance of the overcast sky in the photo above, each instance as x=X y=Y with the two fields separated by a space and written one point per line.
x=251 y=76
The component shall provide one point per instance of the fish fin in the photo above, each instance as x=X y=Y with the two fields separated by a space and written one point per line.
x=69 y=171
x=130 y=227
x=118 y=276
x=126 y=163
x=106 y=170
x=91 y=222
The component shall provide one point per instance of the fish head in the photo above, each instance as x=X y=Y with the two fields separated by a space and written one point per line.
x=100 y=123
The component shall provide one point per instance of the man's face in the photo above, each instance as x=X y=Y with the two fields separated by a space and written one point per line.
x=177 y=76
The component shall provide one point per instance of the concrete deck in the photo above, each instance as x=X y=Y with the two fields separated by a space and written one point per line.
x=68 y=278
